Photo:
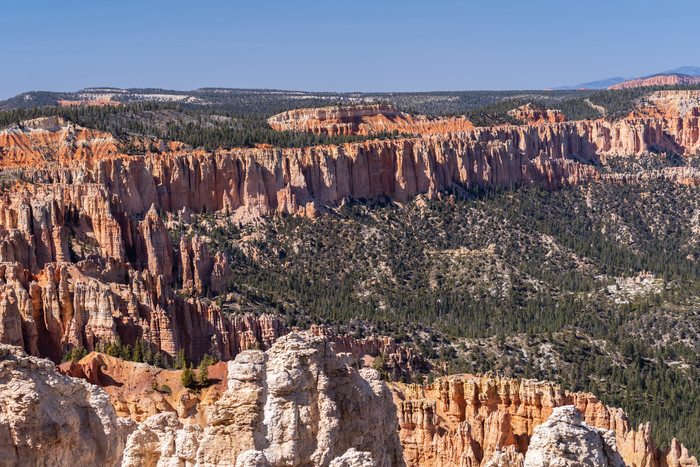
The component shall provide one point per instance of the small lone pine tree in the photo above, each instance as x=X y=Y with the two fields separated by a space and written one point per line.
x=187 y=377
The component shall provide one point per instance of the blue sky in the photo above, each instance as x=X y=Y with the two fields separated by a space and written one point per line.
x=340 y=45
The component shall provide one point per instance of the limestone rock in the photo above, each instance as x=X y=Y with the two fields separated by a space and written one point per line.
x=50 y=419
x=565 y=440
x=296 y=404
x=162 y=440
x=353 y=458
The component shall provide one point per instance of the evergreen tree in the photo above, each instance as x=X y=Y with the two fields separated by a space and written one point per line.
x=138 y=351
x=187 y=377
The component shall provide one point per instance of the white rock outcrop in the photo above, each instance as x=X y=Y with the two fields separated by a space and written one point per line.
x=47 y=419
x=298 y=404
x=565 y=440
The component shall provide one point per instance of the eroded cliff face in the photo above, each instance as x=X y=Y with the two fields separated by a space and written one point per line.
x=296 y=404
x=364 y=120
x=50 y=419
x=300 y=403
x=464 y=420
x=52 y=139
x=534 y=115
x=658 y=80
x=130 y=385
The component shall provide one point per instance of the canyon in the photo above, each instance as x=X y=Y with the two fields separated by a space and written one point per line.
x=87 y=255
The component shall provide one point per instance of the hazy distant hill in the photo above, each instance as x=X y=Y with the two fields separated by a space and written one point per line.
x=663 y=79
x=601 y=84
x=608 y=82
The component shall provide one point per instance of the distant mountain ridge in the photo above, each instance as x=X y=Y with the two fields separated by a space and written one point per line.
x=662 y=79
x=606 y=83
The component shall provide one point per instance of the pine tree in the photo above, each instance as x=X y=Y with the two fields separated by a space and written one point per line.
x=159 y=360
x=148 y=354
x=187 y=377
x=203 y=370
x=138 y=351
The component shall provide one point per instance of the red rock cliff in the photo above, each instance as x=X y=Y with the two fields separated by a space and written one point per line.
x=463 y=420
x=363 y=120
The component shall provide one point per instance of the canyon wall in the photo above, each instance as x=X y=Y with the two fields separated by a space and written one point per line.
x=667 y=79
x=464 y=420
x=364 y=120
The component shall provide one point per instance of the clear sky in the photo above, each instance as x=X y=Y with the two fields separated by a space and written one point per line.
x=340 y=45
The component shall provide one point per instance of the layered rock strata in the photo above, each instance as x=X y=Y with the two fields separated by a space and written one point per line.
x=535 y=115
x=463 y=420
x=668 y=79
x=364 y=120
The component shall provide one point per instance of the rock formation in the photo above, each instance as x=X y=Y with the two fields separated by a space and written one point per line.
x=664 y=79
x=364 y=120
x=534 y=115
x=51 y=139
x=296 y=404
x=50 y=419
x=566 y=440
x=301 y=404
x=136 y=389
x=469 y=421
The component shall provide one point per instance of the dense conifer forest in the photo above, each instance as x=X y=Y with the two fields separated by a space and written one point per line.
x=593 y=287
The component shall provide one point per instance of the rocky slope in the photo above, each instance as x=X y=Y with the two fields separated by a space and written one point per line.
x=139 y=391
x=464 y=420
x=664 y=79
x=364 y=120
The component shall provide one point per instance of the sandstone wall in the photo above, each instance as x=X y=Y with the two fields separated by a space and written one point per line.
x=463 y=420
